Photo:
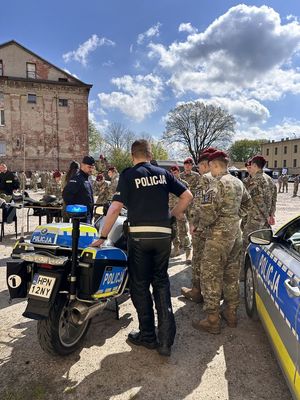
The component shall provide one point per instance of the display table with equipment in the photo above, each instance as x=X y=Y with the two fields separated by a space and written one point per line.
x=49 y=212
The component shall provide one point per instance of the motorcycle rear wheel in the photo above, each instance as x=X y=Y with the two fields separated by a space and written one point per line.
x=57 y=335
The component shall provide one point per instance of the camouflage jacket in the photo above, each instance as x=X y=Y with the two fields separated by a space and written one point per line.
x=262 y=195
x=246 y=181
x=273 y=190
x=102 y=191
x=113 y=186
x=54 y=188
x=173 y=199
x=192 y=179
x=224 y=204
x=296 y=180
x=202 y=187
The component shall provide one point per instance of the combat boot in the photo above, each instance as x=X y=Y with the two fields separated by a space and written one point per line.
x=175 y=252
x=188 y=255
x=229 y=314
x=193 y=294
x=211 y=324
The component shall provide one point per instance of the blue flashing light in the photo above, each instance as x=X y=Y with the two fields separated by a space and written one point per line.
x=76 y=209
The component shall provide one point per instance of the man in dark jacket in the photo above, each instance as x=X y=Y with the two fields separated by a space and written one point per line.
x=79 y=189
x=8 y=180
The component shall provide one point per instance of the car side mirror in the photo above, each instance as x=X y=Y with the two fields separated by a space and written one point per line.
x=262 y=236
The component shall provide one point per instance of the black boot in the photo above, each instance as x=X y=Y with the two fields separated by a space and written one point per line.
x=136 y=337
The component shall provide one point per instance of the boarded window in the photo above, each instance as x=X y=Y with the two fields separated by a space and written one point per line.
x=295 y=163
x=275 y=164
x=31 y=98
x=284 y=163
x=1 y=68
x=2 y=148
x=2 y=118
x=62 y=79
x=295 y=148
x=31 y=71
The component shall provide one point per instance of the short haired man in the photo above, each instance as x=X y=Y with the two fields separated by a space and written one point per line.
x=144 y=189
x=220 y=211
x=79 y=188
x=114 y=179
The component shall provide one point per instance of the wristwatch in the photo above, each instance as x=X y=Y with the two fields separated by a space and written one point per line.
x=103 y=237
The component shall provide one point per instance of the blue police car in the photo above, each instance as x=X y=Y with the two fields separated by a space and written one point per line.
x=272 y=292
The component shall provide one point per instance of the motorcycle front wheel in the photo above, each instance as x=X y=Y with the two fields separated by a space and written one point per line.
x=57 y=334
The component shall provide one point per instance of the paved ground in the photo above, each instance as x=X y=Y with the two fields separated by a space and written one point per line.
x=236 y=365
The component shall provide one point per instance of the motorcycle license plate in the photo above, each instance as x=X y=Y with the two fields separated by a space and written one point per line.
x=42 y=286
x=111 y=281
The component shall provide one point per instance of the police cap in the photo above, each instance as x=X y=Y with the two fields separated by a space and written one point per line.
x=89 y=160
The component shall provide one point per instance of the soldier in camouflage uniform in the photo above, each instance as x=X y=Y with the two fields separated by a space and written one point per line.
x=285 y=183
x=198 y=232
x=101 y=190
x=22 y=178
x=54 y=186
x=102 y=164
x=182 y=239
x=114 y=179
x=246 y=180
x=34 y=181
x=192 y=178
x=221 y=208
x=263 y=193
x=280 y=183
x=296 y=185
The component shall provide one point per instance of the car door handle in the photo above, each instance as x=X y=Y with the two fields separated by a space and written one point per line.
x=293 y=291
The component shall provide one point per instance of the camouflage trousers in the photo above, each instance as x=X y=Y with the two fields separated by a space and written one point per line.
x=220 y=268
x=296 y=185
x=198 y=248
x=251 y=226
x=182 y=239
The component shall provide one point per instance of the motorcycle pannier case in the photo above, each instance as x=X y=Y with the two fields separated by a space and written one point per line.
x=102 y=272
x=17 y=278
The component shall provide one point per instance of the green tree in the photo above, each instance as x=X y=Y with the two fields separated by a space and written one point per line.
x=158 y=151
x=95 y=138
x=242 y=150
x=196 y=126
x=120 y=158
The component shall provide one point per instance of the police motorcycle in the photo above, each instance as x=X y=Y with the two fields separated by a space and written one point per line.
x=66 y=281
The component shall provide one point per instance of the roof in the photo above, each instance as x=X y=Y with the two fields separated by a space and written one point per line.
x=79 y=82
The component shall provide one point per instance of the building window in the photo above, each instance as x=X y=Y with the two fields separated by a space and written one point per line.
x=1 y=68
x=295 y=163
x=285 y=150
x=267 y=152
x=1 y=100
x=31 y=98
x=31 y=70
x=62 y=79
x=275 y=164
x=284 y=163
x=295 y=148
x=63 y=102
x=2 y=119
x=276 y=149
x=2 y=148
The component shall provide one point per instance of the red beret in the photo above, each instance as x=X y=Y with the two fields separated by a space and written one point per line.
x=174 y=168
x=101 y=157
x=248 y=163
x=99 y=177
x=56 y=174
x=112 y=168
x=210 y=150
x=258 y=158
x=218 y=154
x=188 y=160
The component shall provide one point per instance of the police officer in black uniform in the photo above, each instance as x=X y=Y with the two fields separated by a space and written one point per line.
x=144 y=190
x=79 y=189
x=8 y=180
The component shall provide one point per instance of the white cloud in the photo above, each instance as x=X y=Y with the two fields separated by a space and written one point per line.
x=100 y=125
x=84 y=49
x=151 y=32
x=187 y=27
x=108 y=63
x=246 y=49
x=288 y=128
x=246 y=111
x=70 y=73
x=137 y=96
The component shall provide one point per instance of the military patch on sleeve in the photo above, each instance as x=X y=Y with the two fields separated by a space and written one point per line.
x=207 y=198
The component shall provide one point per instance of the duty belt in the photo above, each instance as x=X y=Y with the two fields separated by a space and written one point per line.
x=154 y=229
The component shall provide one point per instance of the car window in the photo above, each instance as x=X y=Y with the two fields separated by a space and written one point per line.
x=291 y=236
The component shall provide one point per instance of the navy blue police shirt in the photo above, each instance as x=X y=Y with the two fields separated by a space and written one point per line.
x=79 y=191
x=144 y=189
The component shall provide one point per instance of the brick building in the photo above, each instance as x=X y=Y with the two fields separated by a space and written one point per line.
x=283 y=154
x=43 y=109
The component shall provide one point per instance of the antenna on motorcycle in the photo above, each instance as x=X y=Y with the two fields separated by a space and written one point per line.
x=23 y=191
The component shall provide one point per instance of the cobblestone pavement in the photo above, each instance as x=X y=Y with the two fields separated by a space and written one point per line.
x=238 y=364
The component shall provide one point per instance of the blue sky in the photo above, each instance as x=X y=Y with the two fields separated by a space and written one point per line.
x=144 y=57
